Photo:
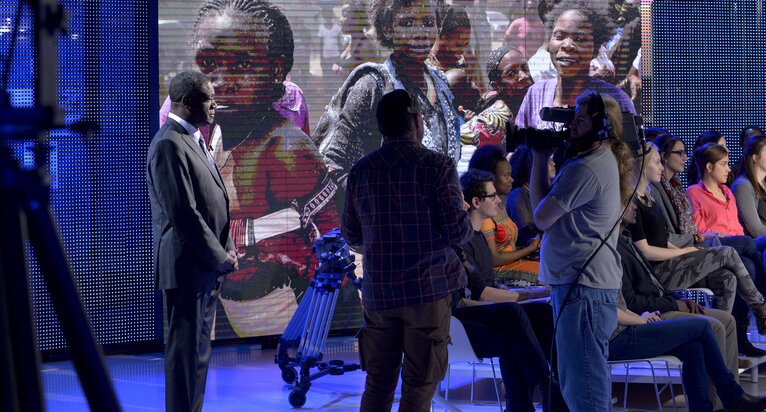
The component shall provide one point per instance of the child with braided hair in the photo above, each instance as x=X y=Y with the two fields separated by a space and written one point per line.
x=281 y=193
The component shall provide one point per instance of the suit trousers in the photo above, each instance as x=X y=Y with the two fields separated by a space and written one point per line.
x=421 y=334
x=190 y=313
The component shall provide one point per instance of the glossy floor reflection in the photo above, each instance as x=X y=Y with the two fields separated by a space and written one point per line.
x=245 y=378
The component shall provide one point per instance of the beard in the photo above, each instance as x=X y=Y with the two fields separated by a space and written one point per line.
x=576 y=146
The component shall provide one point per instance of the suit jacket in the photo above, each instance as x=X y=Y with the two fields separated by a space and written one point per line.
x=190 y=211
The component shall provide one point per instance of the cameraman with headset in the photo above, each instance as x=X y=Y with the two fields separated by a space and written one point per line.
x=576 y=212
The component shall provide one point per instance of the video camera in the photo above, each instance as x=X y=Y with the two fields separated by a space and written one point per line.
x=632 y=131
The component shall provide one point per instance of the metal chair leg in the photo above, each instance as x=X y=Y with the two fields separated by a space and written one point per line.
x=654 y=381
x=625 y=395
x=686 y=399
x=494 y=380
x=670 y=383
x=446 y=392
x=473 y=379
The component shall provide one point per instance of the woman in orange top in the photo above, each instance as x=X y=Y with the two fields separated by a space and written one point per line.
x=511 y=264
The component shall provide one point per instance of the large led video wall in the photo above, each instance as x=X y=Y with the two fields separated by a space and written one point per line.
x=296 y=84
x=98 y=190
x=296 y=109
x=707 y=69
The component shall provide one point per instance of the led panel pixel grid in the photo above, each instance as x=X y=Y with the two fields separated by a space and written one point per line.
x=98 y=192
x=708 y=69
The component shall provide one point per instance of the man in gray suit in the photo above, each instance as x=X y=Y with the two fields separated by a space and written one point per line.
x=193 y=249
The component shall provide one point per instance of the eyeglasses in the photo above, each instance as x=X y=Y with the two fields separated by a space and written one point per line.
x=491 y=195
x=681 y=153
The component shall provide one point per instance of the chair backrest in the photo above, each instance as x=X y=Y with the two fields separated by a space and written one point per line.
x=702 y=296
x=460 y=350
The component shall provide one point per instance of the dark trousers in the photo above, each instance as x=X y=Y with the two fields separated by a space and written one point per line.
x=421 y=333
x=753 y=260
x=692 y=341
x=504 y=330
x=751 y=257
x=187 y=354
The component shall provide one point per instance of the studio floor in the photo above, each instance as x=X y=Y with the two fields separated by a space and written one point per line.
x=245 y=378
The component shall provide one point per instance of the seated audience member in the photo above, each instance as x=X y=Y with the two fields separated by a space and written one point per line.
x=749 y=191
x=449 y=55
x=679 y=215
x=518 y=205
x=503 y=330
x=486 y=288
x=501 y=232
x=714 y=206
x=718 y=268
x=676 y=208
x=644 y=293
x=708 y=136
x=652 y=133
x=747 y=133
x=693 y=342
x=480 y=194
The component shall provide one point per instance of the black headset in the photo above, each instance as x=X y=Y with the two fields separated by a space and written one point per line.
x=412 y=105
x=602 y=126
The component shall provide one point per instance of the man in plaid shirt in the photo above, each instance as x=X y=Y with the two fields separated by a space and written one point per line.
x=404 y=209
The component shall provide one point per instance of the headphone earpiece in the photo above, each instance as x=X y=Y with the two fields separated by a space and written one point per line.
x=601 y=123
x=412 y=105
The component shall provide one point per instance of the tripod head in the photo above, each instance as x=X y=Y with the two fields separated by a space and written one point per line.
x=335 y=258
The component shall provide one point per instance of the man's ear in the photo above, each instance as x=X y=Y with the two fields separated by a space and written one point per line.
x=186 y=102
x=475 y=202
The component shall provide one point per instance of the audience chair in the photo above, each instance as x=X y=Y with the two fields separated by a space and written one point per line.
x=701 y=296
x=668 y=361
x=461 y=351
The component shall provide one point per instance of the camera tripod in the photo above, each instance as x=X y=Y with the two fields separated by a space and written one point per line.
x=309 y=326
x=25 y=217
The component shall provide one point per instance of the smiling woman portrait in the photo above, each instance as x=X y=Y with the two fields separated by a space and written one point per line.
x=577 y=29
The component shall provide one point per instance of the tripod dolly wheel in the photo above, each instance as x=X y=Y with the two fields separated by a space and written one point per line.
x=297 y=398
x=289 y=375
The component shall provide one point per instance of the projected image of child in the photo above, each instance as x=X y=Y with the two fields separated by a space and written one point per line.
x=347 y=131
x=281 y=194
x=360 y=48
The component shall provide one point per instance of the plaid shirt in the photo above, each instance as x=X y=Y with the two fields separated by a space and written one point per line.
x=404 y=205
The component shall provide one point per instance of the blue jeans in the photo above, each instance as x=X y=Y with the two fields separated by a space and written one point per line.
x=690 y=340
x=752 y=257
x=588 y=318
x=760 y=244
